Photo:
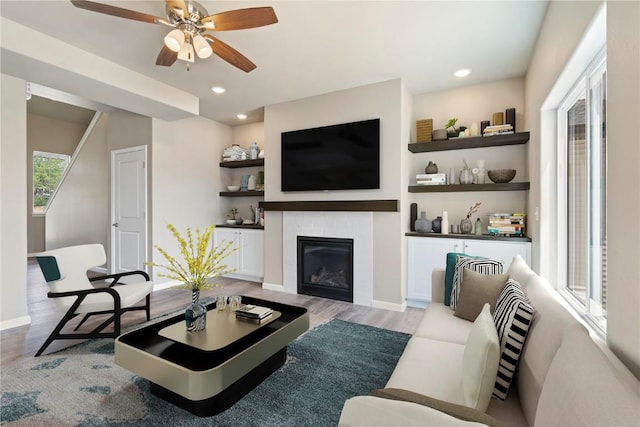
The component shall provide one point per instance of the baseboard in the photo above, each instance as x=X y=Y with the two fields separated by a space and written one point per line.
x=272 y=287
x=389 y=306
x=14 y=323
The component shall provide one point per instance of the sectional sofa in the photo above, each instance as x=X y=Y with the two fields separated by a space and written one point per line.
x=563 y=376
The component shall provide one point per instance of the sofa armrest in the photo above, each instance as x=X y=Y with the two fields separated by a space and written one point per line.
x=458 y=411
x=437 y=285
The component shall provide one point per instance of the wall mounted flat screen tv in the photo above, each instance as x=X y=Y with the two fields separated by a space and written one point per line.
x=338 y=157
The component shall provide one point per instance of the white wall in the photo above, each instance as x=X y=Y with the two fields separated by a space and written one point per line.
x=53 y=136
x=13 y=203
x=79 y=211
x=382 y=100
x=563 y=29
x=186 y=178
x=623 y=194
x=471 y=104
x=564 y=25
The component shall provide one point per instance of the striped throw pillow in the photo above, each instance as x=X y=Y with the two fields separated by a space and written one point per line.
x=479 y=265
x=512 y=316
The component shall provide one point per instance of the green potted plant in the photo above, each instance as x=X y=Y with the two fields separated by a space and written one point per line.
x=450 y=127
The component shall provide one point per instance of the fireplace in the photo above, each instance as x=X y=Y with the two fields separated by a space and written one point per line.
x=325 y=267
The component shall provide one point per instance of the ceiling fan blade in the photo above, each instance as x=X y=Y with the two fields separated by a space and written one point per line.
x=229 y=54
x=242 y=19
x=117 y=11
x=178 y=6
x=166 y=57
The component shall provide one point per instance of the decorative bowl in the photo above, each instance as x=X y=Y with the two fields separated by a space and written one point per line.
x=500 y=176
x=231 y=221
x=233 y=187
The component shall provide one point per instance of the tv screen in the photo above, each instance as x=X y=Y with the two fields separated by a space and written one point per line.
x=338 y=157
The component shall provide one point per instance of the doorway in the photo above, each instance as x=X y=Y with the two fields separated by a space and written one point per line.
x=128 y=209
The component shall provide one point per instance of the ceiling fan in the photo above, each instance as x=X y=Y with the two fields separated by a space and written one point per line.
x=191 y=22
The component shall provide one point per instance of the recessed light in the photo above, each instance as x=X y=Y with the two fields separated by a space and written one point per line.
x=464 y=72
x=241 y=116
x=218 y=89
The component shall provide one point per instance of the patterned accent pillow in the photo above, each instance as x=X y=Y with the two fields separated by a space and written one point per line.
x=512 y=316
x=479 y=265
x=448 y=274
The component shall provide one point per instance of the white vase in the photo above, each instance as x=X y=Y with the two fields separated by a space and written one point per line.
x=251 y=184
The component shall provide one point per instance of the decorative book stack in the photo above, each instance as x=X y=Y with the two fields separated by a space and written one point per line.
x=254 y=313
x=498 y=130
x=431 y=178
x=507 y=224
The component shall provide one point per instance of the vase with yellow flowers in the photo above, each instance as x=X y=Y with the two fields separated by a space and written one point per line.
x=201 y=262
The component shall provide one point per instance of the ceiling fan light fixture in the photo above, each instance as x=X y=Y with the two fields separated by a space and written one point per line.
x=186 y=53
x=174 y=40
x=202 y=47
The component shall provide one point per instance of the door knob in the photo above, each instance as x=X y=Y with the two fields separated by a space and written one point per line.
x=115 y=224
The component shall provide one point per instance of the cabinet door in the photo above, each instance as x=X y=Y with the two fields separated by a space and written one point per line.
x=229 y=235
x=425 y=254
x=501 y=250
x=251 y=253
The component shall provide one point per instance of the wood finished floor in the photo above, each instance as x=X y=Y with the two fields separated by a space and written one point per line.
x=21 y=343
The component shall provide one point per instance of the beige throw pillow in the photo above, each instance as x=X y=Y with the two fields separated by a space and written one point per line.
x=477 y=289
x=480 y=361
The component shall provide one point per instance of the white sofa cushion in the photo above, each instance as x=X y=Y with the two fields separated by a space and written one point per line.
x=480 y=361
x=372 y=411
x=439 y=323
x=432 y=368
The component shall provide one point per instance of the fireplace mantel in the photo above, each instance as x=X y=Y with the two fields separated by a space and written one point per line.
x=333 y=206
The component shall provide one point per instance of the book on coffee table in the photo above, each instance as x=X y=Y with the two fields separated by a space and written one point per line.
x=253 y=312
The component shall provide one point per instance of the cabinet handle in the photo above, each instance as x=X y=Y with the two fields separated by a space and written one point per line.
x=455 y=247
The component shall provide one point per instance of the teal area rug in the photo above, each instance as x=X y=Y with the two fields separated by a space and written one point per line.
x=81 y=386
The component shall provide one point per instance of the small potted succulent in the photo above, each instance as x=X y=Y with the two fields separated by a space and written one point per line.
x=452 y=130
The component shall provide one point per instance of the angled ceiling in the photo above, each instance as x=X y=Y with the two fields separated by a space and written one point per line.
x=316 y=47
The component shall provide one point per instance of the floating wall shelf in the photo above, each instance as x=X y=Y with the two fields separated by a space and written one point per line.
x=509 y=186
x=242 y=163
x=470 y=142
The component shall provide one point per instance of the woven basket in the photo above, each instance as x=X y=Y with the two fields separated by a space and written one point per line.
x=424 y=128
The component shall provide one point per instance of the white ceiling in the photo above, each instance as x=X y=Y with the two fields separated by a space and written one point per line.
x=316 y=47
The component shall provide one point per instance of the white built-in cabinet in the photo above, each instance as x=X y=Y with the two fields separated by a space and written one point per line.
x=427 y=253
x=248 y=260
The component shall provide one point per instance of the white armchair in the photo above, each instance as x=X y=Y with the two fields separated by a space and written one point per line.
x=65 y=271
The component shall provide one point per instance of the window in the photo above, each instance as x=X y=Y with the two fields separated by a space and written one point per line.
x=582 y=193
x=48 y=169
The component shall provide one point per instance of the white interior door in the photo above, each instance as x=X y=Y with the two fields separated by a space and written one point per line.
x=128 y=207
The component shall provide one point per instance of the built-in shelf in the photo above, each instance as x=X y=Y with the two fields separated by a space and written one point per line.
x=248 y=193
x=470 y=142
x=450 y=188
x=242 y=163
x=333 y=205
x=249 y=226
x=469 y=236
